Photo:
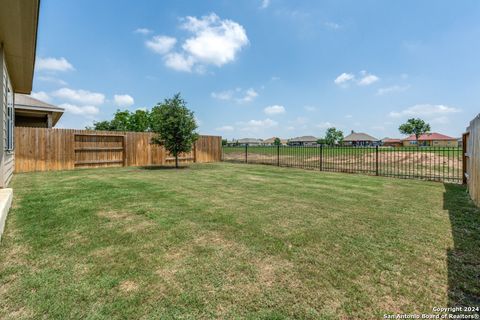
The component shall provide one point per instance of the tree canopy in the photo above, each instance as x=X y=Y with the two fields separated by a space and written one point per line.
x=414 y=126
x=138 y=121
x=174 y=125
x=333 y=136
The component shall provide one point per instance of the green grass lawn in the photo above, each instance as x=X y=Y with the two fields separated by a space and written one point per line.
x=234 y=241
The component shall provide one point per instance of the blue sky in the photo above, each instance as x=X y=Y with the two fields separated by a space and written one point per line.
x=259 y=68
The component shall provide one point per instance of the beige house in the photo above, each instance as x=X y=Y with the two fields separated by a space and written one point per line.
x=31 y=112
x=433 y=139
x=357 y=139
x=271 y=141
x=18 y=40
x=303 y=141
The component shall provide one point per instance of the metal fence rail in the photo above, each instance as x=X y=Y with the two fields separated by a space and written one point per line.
x=427 y=163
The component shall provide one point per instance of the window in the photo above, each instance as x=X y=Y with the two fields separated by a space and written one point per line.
x=413 y=142
x=9 y=121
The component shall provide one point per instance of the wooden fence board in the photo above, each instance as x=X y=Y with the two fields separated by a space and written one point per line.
x=42 y=149
x=472 y=157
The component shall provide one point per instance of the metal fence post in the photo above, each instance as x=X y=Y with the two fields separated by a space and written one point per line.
x=376 y=160
x=278 y=155
x=246 y=152
x=321 y=157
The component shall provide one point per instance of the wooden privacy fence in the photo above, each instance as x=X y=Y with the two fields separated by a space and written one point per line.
x=41 y=149
x=471 y=140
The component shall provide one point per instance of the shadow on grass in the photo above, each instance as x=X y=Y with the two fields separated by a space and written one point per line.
x=464 y=257
x=163 y=168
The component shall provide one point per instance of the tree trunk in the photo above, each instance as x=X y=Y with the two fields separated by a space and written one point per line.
x=176 y=161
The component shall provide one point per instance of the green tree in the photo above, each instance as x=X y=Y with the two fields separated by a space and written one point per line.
x=277 y=141
x=121 y=121
x=414 y=126
x=333 y=136
x=174 y=125
x=139 y=121
x=224 y=142
x=321 y=141
x=101 y=126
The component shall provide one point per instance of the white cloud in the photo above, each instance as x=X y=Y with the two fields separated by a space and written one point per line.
x=265 y=4
x=440 y=120
x=344 y=78
x=241 y=96
x=299 y=121
x=179 y=62
x=425 y=110
x=52 y=80
x=310 y=108
x=367 y=79
x=41 y=95
x=213 y=42
x=250 y=94
x=80 y=96
x=80 y=110
x=53 y=64
x=332 y=25
x=348 y=116
x=257 y=125
x=325 y=125
x=123 y=100
x=392 y=89
x=225 y=128
x=144 y=31
x=161 y=44
x=273 y=110
x=223 y=95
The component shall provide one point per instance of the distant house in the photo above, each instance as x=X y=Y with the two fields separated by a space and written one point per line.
x=433 y=139
x=271 y=141
x=391 y=142
x=249 y=141
x=303 y=141
x=357 y=139
x=31 y=112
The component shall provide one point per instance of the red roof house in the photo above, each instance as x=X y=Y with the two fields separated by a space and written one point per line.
x=431 y=139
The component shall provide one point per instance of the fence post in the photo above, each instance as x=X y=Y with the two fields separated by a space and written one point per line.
x=464 y=157
x=278 y=155
x=321 y=157
x=376 y=160
x=246 y=152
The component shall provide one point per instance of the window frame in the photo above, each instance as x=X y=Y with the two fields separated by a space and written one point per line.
x=9 y=118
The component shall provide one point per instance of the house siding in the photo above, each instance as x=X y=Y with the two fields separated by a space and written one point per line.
x=7 y=158
x=434 y=143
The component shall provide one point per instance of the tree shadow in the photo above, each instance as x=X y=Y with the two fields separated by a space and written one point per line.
x=464 y=257
x=162 y=167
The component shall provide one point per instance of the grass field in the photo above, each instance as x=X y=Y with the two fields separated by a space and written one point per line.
x=235 y=241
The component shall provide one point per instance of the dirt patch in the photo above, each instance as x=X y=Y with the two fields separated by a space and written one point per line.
x=115 y=215
x=128 y=286
x=128 y=222
x=15 y=256
x=22 y=313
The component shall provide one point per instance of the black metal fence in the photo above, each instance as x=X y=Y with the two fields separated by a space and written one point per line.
x=428 y=163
